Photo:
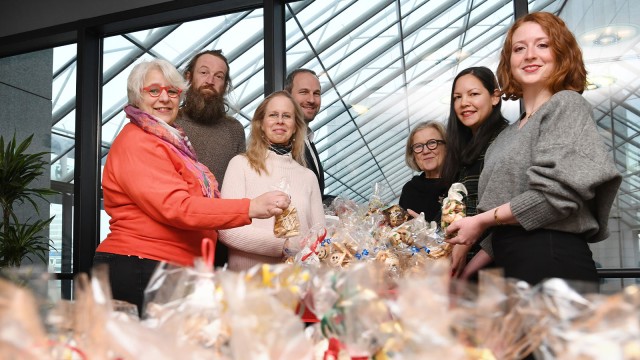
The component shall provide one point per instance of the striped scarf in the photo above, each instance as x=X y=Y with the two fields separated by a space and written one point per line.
x=281 y=149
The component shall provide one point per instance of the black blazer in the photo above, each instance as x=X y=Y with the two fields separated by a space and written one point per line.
x=310 y=153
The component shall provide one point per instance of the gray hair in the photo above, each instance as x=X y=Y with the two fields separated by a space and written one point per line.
x=408 y=153
x=135 y=81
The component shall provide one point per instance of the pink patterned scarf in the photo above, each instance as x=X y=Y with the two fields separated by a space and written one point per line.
x=180 y=145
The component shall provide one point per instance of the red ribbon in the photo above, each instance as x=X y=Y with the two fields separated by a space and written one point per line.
x=208 y=252
x=314 y=246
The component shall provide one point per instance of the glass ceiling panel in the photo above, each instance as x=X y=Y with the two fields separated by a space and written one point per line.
x=239 y=35
x=64 y=85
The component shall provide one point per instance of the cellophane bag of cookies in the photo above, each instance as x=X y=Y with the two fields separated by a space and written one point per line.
x=503 y=320
x=375 y=200
x=591 y=326
x=260 y=313
x=22 y=335
x=425 y=324
x=351 y=306
x=286 y=224
x=453 y=208
x=188 y=302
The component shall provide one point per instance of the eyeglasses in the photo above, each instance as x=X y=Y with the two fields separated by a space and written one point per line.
x=431 y=145
x=156 y=90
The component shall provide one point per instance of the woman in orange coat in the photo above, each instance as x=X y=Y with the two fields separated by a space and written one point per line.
x=161 y=200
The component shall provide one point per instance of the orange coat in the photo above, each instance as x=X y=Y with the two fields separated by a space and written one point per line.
x=156 y=205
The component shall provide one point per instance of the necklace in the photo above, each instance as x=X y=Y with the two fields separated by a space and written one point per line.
x=540 y=96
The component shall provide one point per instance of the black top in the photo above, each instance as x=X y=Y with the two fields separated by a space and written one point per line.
x=424 y=195
x=469 y=175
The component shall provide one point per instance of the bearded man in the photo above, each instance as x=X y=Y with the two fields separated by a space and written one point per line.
x=215 y=136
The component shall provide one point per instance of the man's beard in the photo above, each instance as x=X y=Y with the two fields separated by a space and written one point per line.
x=204 y=108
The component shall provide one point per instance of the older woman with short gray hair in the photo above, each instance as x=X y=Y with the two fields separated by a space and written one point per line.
x=425 y=151
x=161 y=201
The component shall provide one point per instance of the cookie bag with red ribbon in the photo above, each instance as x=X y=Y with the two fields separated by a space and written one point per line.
x=352 y=307
x=286 y=224
x=304 y=250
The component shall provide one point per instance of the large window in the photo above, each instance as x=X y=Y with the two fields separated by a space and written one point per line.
x=62 y=156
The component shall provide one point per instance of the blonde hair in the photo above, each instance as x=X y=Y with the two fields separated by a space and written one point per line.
x=259 y=145
x=408 y=153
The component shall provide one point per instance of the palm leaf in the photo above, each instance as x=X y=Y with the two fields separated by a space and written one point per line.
x=20 y=240
x=17 y=171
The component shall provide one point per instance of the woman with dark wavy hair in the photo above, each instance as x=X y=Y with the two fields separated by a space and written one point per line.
x=474 y=122
x=548 y=181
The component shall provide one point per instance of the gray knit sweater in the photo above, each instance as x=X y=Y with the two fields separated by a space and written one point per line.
x=215 y=144
x=555 y=171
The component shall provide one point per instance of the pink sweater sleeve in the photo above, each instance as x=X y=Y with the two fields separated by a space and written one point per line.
x=242 y=181
x=257 y=237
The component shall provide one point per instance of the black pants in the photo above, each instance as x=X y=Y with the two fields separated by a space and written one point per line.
x=128 y=276
x=540 y=254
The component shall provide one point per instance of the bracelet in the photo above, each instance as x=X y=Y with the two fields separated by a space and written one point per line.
x=495 y=216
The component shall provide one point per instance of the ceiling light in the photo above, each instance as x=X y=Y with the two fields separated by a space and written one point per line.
x=461 y=55
x=360 y=109
x=592 y=86
x=608 y=35
x=599 y=81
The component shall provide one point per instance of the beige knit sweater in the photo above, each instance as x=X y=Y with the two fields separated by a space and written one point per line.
x=255 y=243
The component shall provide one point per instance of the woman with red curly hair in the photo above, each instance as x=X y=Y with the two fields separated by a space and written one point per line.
x=548 y=181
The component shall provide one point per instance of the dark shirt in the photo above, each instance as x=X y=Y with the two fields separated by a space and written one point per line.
x=470 y=174
x=311 y=154
x=424 y=195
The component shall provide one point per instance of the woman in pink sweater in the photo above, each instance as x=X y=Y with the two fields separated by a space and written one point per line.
x=275 y=151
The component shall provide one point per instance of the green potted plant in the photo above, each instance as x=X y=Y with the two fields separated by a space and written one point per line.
x=18 y=169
